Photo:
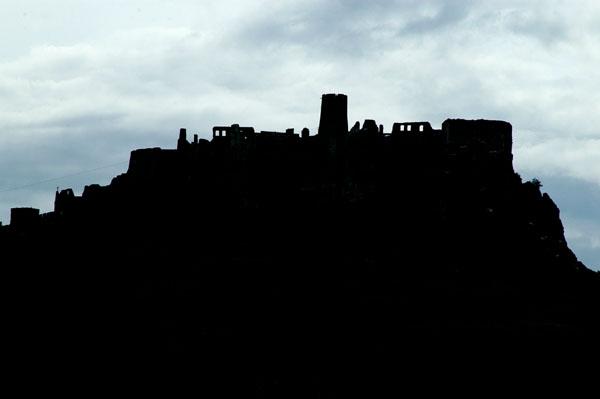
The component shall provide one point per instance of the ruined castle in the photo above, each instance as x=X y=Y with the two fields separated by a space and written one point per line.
x=262 y=249
x=359 y=186
x=337 y=164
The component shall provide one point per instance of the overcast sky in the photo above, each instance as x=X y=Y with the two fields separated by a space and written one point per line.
x=84 y=82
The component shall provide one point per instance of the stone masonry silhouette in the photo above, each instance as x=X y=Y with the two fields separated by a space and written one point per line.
x=487 y=144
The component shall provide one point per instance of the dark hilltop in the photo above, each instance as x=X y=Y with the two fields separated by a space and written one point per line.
x=324 y=247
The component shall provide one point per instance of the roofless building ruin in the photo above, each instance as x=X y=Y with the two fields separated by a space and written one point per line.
x=321 y=159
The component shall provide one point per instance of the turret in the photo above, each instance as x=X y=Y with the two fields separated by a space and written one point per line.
x=23 y=217
x=334 y=116
x=480 y=135
x=182 y=143
x=486 y=141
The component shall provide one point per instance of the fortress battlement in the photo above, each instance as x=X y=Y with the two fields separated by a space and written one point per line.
x=335 y=164
x=456 y=136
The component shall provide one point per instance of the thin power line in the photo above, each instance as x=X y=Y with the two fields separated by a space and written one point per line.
x=62 y=177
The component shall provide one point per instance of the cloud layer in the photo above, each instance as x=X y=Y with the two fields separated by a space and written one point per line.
x=84 y=83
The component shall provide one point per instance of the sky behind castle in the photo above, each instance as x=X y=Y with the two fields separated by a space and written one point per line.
x=82 y=83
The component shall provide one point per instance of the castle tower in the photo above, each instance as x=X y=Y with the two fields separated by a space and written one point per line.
x=23 y=217
x=182 y=143
x=334 y=116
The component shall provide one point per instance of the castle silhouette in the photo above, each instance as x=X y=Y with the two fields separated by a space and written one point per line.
x=341 y=239
x=340 y=164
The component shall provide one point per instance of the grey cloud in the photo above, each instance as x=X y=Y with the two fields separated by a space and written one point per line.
x=444 y=15
x=331 y=29
x=561 y=156
x=547 y=27
x=578 y=196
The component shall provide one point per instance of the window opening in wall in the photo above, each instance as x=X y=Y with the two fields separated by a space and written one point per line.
x=408 y=128
x=421 y=128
